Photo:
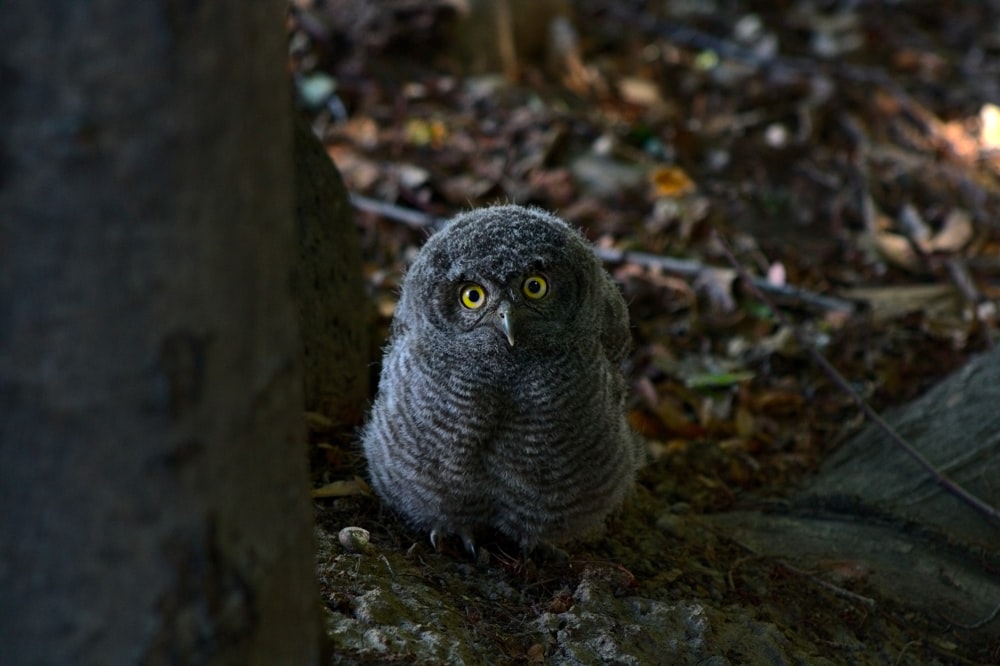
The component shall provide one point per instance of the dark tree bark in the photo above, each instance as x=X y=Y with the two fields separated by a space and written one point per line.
x=332 y=303
x=153 y=480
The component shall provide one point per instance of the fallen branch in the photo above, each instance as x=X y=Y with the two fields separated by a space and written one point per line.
x=690 y=268
x=681 y=267
x=981 y=623
x=389 y=211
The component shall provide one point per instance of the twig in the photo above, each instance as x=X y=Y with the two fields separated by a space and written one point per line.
x=981 y=623
x=689 y=268
x=836 y=589
x=409 y=216
x=682 y=267
x=941 y=479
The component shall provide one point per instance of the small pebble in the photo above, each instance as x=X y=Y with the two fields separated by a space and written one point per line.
x=671 y=525
x=680 y=508
x=355 y=539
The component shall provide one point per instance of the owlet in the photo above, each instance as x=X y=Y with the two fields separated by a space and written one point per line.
x=501 y=401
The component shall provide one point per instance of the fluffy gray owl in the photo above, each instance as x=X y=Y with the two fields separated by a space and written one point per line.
x=501 y=402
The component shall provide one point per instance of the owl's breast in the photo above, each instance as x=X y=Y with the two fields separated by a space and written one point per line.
x=548 y=396
x=562 y=456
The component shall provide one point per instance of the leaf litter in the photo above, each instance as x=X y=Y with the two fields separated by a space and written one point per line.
x=845 y=150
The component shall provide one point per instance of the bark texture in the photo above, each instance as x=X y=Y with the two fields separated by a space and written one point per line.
x=333 y=306
x=956 y=427
x=153 y=480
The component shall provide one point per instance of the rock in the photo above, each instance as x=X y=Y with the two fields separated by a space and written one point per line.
x=603 y=627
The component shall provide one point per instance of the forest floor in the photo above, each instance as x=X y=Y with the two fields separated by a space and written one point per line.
x=848 y=153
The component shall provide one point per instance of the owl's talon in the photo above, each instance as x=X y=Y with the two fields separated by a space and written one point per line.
x=437 y=539
x=470 y=545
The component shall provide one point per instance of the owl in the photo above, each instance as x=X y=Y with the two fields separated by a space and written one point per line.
x=500 y=404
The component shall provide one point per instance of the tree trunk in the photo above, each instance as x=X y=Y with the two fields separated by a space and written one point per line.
x=153 y=480
x=333 y=306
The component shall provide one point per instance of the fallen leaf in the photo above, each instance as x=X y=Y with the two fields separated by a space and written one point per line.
x=343 y=488
x=717 y=285
x=420 y=132
x=955 y=233
x=887 y=303
x=640 y=92
x=989 y=118
x=897 y=250
x=717 y=379
x=746 y=424
x=670 y=182
x=777 y=401
x=316 y=422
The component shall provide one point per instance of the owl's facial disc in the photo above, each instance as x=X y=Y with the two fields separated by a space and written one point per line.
x=504 y=315
x=504 y=320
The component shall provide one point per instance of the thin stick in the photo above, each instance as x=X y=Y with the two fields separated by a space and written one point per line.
x=981 y=623
x=409 y=216
x=682 y=267
x=941 y=479
x=836 y=589
x=689 y=268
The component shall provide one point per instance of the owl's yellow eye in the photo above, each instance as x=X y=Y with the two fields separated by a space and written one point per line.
x=535 y=287
x=473 y=296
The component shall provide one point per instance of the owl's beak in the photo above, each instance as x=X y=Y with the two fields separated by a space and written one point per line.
x=505 y=321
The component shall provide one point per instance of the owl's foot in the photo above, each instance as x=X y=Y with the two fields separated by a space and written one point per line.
x=465 y=535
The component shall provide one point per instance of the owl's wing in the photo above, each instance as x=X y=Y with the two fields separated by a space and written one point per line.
x=615 y=334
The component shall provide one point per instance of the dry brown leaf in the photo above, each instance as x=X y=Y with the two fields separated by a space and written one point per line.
x=640 y=92
x=887 y=303
x=359 y=172
x=897 y=250
x=778 y=401
x=746 y=424
x=342 y=488
x=316 y=422
x=673 y=414
x=717 y=285
x=955 y=233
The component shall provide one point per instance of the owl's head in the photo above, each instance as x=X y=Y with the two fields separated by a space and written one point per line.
x=505 y=276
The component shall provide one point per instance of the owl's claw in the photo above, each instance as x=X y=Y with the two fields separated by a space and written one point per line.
x=467 y=540
x=470 y=544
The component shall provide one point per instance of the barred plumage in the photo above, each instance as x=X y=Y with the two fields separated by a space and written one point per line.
x=501 y=401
